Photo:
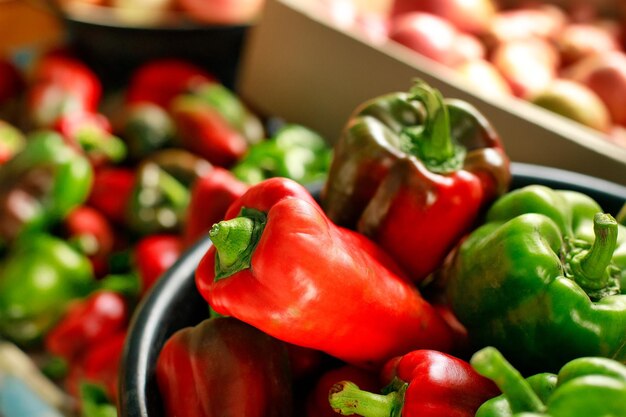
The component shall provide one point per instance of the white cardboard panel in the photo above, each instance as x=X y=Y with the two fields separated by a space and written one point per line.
x=298 y=67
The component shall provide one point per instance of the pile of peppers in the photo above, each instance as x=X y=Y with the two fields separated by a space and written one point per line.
x=417 y=283
x=100 y=193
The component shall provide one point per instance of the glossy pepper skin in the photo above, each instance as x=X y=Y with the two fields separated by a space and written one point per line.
x=294 y=152
x=422 y=383
x=60 y=85
x=211 y=195
x=231 y=108
x=224 y=367
x=98 y=365
x=583 y=387
x=203 y=131
x=86 y=323
x=282 y=266
x=91 y=233
x=317 y=402
x=41 y=185
x=413 y=171
x=29 y=304
x=161 y=80
x=153 y=255
x=540 y=280
x=111 y=192
x=91 y=134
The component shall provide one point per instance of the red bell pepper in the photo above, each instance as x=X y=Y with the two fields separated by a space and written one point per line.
x=305 y=362
x=422 y=383
x=284 y=267
x=111 y=192
x=211 y=195
x=159 y=81
x=91 y=133
x=88 y=323
x=413 y=171
x=317 y=401
x=203 y=130
x=99 y=365
x=224 y=367
x=154 y=255
x=91 y=232
x=61 y=85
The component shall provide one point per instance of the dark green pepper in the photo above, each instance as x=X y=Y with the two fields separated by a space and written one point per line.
x=40 y=275
x=542 y=280
x=584 y=387
x=41 y=185
x=147 y=128
x=294 y=152
x=162 y=190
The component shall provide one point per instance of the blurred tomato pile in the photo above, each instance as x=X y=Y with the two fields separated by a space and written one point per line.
x=101 y=192
x=568 y=57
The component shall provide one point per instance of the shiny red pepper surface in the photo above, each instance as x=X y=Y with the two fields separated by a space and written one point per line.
x=211 y=195
x=223 y=367
x=422 y=383
x=413 y=172
x=88 y=323
x=304 y=280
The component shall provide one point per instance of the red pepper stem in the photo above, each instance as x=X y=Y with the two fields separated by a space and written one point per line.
x=235 y=240
x=590 y=268
x=435 y=142
x=490 y=363
x=347 y=399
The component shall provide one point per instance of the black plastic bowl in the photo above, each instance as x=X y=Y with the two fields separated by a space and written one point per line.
x=175 y=303
x=114 y=47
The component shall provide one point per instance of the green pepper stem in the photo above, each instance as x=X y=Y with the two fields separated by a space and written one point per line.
x=235 y=240
x=347 y=399
x=94 y=139
x=231 y=238
x=435 y=142
x=490 y=363
x=590 y=267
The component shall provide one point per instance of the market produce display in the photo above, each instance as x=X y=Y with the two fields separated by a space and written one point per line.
x=568 y=57
x=101 y=192
x=416 y=283
x=535 y=272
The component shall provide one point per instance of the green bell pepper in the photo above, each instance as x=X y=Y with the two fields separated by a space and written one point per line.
x=542 y=280
x=584 y=387
x=39 y=276
x=294 y=152
x=41 y=184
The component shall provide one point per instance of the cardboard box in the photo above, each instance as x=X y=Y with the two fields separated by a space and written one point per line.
x=299 y=67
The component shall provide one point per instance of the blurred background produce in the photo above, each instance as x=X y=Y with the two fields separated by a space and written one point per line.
x=120 y=120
